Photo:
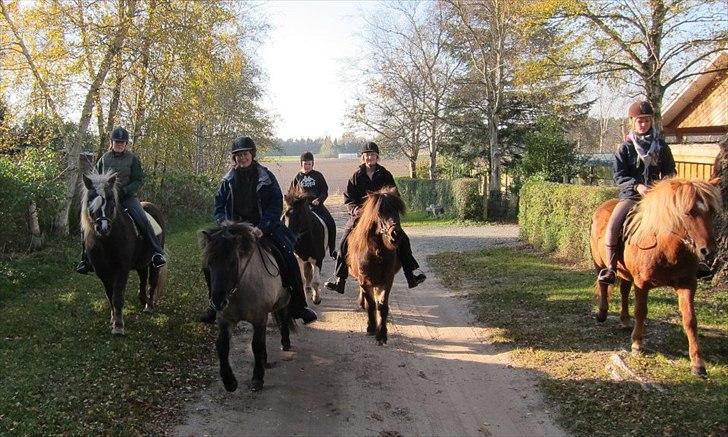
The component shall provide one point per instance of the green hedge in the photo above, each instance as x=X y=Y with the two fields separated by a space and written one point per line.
x=556 y=217
x=459 y=197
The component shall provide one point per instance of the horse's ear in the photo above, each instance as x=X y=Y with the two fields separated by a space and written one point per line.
x=715 y=182
x=87 y=182
x=112 y=180
x=204 y=237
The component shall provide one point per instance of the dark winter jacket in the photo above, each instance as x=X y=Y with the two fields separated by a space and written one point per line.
x=359 y=184
x=128 y=168
x=313 y=185
x=629 y=169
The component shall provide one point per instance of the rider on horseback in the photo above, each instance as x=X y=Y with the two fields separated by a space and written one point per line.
x=370 y=177
x=129 y=177
x=250 y=193
x=314 y=186
x=640 y=161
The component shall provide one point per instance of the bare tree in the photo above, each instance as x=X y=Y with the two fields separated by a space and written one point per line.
x=651 y=44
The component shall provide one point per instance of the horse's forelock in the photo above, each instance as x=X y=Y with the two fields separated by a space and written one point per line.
x=228 y=239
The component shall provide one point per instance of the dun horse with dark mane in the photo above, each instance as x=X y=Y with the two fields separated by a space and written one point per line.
x=245 y=284
x=114 y=246
x=372 y=256
x=666 y=237
x=312 y=237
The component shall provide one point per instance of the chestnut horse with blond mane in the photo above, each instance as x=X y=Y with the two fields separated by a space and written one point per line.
x=373 y=258
x=666 y=236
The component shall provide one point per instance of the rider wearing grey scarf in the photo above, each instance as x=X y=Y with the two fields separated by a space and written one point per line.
x=641 y=160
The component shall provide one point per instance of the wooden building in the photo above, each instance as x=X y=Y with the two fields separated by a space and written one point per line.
x=697 y=118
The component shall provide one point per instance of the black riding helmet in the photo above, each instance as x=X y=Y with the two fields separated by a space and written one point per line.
x=120 y=134
x=243 y=143
x=371 y=146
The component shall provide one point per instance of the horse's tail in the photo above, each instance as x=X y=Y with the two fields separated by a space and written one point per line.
x=602 y=294
x=284 y=318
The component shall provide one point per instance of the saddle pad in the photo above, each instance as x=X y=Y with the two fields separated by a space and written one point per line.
x=155 y=225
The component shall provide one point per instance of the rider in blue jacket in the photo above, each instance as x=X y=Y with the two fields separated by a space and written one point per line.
x=250 y=193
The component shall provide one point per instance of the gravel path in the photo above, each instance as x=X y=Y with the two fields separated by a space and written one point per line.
x=438 y=374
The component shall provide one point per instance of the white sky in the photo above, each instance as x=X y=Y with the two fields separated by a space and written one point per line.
x=305 y=61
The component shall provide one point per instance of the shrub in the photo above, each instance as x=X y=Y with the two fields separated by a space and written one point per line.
x=459 y=197
x=32 y=176
x=557 y=217
x=180 y=193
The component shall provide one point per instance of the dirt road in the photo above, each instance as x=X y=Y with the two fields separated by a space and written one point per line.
x=438 y=374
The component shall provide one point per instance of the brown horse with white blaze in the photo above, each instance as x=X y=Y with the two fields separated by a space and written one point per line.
x=373 y=258
x=667 y=235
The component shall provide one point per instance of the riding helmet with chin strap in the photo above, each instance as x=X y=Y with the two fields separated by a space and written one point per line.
x=120 y=134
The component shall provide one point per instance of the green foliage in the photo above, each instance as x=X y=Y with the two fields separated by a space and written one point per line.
x=180 y=192
x=31 y=176
x=540 y=308
x=547 y=152
x=459 y=197
x=557 y=217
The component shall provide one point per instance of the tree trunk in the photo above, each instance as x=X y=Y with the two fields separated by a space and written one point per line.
x=413 y=168
x=433 y=149
x=36 y=236
x=720 y=222
x=140 y=109
x=74 y=146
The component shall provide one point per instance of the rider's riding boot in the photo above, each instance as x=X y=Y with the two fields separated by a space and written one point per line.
x=84 y=267
x=338 y=285
x=414 y=279
x=306 y=314
x=608 y=275
x=158 y=260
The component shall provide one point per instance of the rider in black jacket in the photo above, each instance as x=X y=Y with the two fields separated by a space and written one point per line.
x=370 y=177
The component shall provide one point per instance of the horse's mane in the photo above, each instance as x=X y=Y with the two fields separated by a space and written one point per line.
x=99 y=182
x=665 y=206
x=226 y=240
x=295 y=196
x=384 y=201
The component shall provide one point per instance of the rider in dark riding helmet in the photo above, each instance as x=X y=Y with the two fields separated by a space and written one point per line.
x=250 y=193
x=313 y=184
x=129 y=178
x=370 y=176
x=641 y=160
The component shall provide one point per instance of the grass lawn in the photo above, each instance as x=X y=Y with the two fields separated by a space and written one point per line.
x=63 y=372
x=543 y=309
x=424 y=218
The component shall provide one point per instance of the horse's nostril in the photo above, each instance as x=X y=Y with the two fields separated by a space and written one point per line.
x=704 y=251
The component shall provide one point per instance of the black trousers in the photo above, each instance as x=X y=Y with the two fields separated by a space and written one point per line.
x=325 y=215
x=137 y=213
x=404 y=250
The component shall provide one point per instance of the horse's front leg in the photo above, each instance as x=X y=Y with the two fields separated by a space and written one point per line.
x=143 y=276
x=223 y=352
x=316 y=283
x=602 y=293
x=117 y=303
x=382 y=313
x=686 y=299
x=366 y=300
x=261 y=356
x=284 y=321
x=640 y=314
x=624 y=288
x=155 y=285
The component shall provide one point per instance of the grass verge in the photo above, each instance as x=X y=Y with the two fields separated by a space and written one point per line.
x=63 y=372
x=543 y=310
x=424 y=218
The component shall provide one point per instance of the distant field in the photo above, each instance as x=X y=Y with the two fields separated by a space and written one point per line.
x=336 y=171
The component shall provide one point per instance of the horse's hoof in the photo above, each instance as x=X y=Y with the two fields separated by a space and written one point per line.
x=286 y=347
x=371 y=331
x=231 y=384
x=636 y=351
x=117 y=331
x=317 y=301
x=601 y=316
x=699 y=371
x=256 y=385
x=148 y=310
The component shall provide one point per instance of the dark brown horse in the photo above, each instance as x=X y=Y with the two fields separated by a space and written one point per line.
x=311 y=239
x=372 y=256
x=667 y=235
x=114 y=247
x=245 y=284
